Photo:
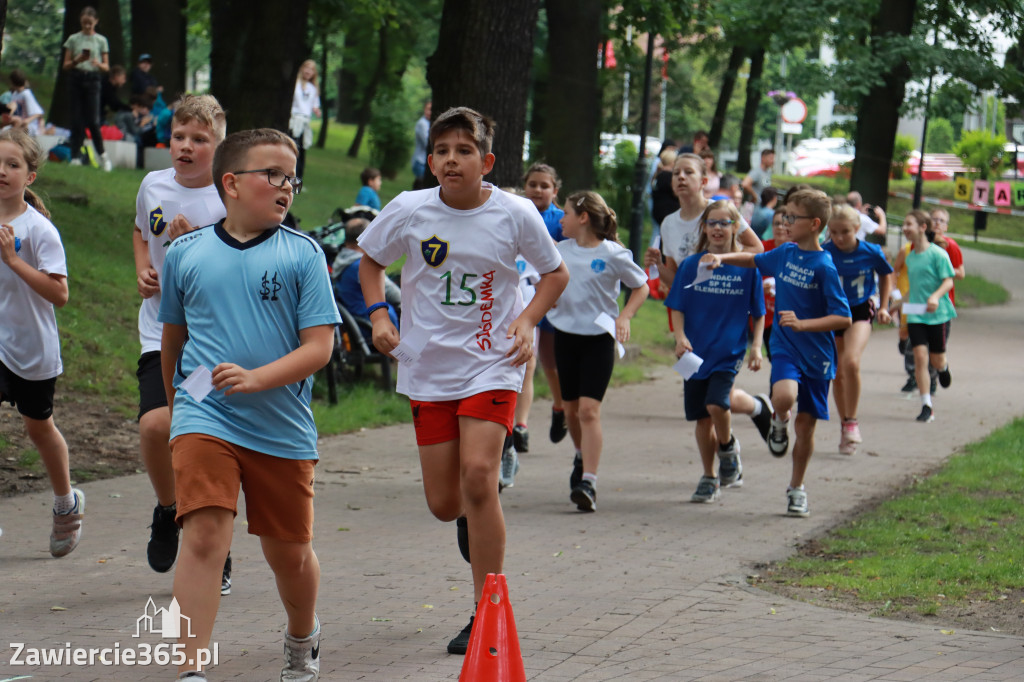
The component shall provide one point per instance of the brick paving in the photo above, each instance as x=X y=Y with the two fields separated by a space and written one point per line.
x=648 y=588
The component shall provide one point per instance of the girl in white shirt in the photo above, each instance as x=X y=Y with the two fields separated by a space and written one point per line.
x=33 y=279
x=305 y=105
x=584 y=351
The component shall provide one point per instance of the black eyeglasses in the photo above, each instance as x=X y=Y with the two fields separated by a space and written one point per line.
x=789 y=218
x=276 y=178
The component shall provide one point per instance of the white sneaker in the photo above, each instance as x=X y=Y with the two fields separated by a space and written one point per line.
x=509 y=467
x=67 y=528
x=302 y=657
x=105 y=163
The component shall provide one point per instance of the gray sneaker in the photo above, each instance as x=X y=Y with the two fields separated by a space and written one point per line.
x=730 y=468
x=191 y=675
x=797 y=503
x=67 y=528
x=302 y=657
x=707 y=490
x=509 y=467
x=778 y=438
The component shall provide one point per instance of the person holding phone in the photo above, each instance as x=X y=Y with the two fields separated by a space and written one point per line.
x=86 y=58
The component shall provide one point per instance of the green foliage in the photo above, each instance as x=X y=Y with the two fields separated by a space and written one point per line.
x=32 y=35
x=391 y=137
x=615 y=181
x=940 y=136
x=902 y=148
x=982 y=150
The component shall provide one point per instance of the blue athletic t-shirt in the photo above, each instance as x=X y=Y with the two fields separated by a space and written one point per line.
x=245 y=303
x=716 y=312
x=857 y=269
x=807 y=283
x=552 y=217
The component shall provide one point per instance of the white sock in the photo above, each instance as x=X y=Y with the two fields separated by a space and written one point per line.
x=926 y=399
x=757 y=408
x=62 y=504
x=799 y=487
x=778 y=422
x=592 y=478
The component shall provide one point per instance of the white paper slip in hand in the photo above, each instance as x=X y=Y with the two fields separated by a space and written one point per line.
x=688 y=364
x=198 y=384
x=170 y=209
x=412 y=344
x=605 y=322
x=703 y=274
x=915 y=308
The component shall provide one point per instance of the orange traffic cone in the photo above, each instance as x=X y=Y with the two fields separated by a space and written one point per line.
x=493 y=654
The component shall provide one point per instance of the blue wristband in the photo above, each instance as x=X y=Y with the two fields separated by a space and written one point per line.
x=375 y=307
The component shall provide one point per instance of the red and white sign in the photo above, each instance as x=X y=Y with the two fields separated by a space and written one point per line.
x=794 y=111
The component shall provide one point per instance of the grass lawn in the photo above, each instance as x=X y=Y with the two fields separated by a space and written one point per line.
x=952 y=537
x=1001 y=249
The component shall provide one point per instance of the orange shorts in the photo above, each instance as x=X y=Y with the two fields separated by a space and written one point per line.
x=438 y=422
x=208 y=472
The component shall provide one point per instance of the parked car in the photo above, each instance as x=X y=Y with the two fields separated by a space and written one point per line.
x=606 y=150
x=819 y=157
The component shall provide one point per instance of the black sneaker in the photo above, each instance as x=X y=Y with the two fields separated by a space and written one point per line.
x=558 y=426
x=763 y=421
x=927 y=415
x=461 y=641
x=162 y=549
x=778 y=439
x=521 y=438
x=945 y=378
x=934 y=381
x=462 y=532
x=577 y=471
x=584 y=496
x=225 y=577
x=910 y=386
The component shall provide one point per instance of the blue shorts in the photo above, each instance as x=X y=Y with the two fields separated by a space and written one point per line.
x=812 y=395
x=712 y=390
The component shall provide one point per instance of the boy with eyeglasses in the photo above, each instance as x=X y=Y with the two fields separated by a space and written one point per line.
x=248 y=315
x=809 y=306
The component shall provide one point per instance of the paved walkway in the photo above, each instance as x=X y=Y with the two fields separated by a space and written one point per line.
x=648 y=588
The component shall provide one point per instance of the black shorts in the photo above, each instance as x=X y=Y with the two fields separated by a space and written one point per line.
x=713 y=390
x=151 y=383
x=862 y=312
x=932 y=335
x=34 y=399
x=584 y=364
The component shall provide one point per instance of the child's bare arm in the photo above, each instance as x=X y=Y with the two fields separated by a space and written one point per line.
x=171 y=343
x=636 y=299
x=682 y=343
x=52 y=287
x=884 y=290
x=744 y=259
x=757 y=333
x=146 y=277
x=371 y=279
x=944 y=288
x=315 y=347
x=750 y=242
x=548 y=289
x=828 y=323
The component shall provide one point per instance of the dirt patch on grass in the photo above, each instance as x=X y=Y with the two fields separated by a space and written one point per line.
x=103 y=443
x=985 y=613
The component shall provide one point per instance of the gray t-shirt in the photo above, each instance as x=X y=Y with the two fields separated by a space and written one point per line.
x=760 y=179
x=96 y=44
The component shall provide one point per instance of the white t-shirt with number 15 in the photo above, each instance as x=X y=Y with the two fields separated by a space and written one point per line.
x=460 y=284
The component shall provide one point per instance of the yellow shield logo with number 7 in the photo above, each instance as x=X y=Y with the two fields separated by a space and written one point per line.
x=434 y=251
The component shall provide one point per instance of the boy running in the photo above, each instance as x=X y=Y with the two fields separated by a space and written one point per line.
x=461 y=241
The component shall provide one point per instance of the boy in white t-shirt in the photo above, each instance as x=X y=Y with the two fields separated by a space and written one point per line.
x=170 y=202
x=461 y=241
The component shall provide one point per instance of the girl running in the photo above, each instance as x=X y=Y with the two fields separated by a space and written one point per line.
x=857 y=262
x=584 y=352
x=33 y=279
x=540 y=185
x=711 y=319
x=930 y=274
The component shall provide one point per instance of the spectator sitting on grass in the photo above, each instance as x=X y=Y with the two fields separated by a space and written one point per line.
x=346 y=276
x=111 y=101
x=371 y=179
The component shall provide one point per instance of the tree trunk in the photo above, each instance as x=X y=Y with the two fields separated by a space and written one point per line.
x=159 y=28
x=3 y=22
x=496 y=80
x=366 y=103
x=109 y=26
x=256 y=84
x=572 y=110
x=750 y=109
x=321 y=139
x=879 y=111
x=736 y=58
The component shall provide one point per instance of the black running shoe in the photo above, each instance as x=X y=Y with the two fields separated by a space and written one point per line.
x=584 y=496
x=910 y=386
x=577 y=471
x=763 y=421
x=462 y=532
x=460 y=643
x=926 y=415
x=945 y=378
x=558 y=427
x=162 y=549
x=521 y=438
x=225 y=577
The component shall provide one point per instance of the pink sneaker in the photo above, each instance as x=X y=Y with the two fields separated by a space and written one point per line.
x=851 y=431
x=847 y=448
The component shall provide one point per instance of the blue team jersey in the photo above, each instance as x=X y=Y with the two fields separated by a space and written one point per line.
x=245 y=303
x=807 y=283
x=857 y=269
x=716 y=313
x=552 y=217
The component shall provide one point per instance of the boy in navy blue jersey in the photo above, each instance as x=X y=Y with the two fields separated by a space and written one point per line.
x=809 y=306
x=248 y=304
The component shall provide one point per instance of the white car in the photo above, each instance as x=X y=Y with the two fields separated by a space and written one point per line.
x=606 y=150
x=819 y=157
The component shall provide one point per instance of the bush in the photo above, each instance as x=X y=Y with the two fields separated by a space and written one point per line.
x=982 y=150
x=391 y=133
x=616 y=179
x=901 y=154
x=940 y=137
